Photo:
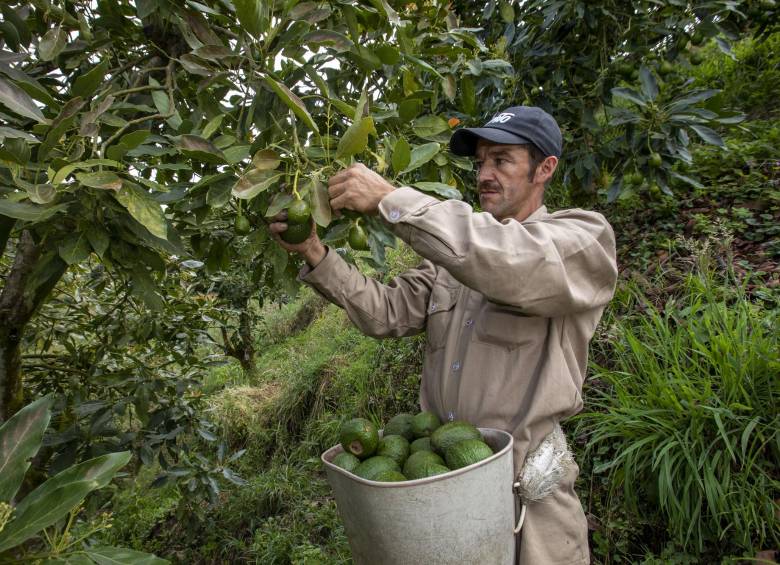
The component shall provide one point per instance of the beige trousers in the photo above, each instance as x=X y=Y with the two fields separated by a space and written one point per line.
x=555 y=531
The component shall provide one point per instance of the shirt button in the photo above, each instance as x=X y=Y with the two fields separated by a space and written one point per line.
x=456 y=365
x=394 y=215
x=469 y=322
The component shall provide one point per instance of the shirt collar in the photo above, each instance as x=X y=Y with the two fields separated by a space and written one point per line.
x=538 y=214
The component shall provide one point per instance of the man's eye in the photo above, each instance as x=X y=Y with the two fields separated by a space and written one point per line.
x=499 y=161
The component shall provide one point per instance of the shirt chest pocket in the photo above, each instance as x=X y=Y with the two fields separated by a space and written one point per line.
x=440 y=313
x=504 y=327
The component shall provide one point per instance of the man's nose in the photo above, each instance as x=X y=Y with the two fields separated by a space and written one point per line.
x=485 y=173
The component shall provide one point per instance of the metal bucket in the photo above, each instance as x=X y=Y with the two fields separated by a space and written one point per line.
x=465 y=516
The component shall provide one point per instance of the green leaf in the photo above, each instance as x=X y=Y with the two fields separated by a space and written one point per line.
x=86 y=84
x=440 y=188
x=409 y=109
x=250 y=16
x=213 y=125
x=20 y=439
x=200 y=149
x=215 y=53
x=355 y=139
x=694 y=183
x=43 y=513
x=218 y=194
x=237 y=153
x=41 y=193
x=55 y=498
x=134 y=138
x=18 y=101
x=631 y=95
x=429 y=126
x=52 y=43
x=424 y=65
x=338 y=41
x=63 y=173
x=10 y=34
x=254 y=182
x=281 y=201
x=160 y=98
x=450 y=87
x=74 y=248
x=145 y=8
x=402 y=155
x=391 y=14
x=320 y=200
x=98 y=239
x=104 y=180
x=144 y=209
x=12 y=16
x=708 y=135
x=59 y=126
x=11 y=133
x=421 y=155
x=28 y=212
x=122 y=556
x=690 y=100
x=725 y=46
x=649 y=84
x=293 y=102
x=143 y=288
x=388 y=54
x=266 y=159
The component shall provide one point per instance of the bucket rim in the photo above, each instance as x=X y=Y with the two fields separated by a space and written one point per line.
x=336 y=449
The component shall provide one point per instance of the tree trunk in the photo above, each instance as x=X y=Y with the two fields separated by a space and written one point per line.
x=240 y=345
x=31 y=279
x=247 y=358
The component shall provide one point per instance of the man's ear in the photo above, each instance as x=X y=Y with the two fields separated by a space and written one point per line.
x=546 y=168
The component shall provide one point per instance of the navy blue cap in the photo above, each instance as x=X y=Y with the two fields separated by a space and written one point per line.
x=514 y=126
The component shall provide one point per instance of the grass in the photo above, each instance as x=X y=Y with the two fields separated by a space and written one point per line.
x=684 y=419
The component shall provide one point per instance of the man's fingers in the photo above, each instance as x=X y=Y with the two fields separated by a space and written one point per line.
x=280 y=217
x=277 y=227
x=342 y=175
x=339 y=202
x=336 y=188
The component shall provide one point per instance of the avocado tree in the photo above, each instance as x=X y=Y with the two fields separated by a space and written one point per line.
x=616 y=77
x=135 y=133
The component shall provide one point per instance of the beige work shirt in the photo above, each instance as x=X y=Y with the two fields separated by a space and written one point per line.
x=509 y=308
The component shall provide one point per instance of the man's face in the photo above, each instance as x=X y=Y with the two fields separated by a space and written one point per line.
x=502 y=181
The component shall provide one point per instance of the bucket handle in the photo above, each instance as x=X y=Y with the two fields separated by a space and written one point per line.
x=522 y=511
x=520 y=521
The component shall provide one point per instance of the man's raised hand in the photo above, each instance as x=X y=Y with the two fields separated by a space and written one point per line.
x=357 y=188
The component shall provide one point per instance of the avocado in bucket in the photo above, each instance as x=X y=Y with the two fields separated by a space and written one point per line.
x=414 y=468
x=395 y=447
x=451 y=433
x=424 y=424
x=371 y=468
x=359 y=437
x=346 y=461
x=400 y=425
x=466 y=453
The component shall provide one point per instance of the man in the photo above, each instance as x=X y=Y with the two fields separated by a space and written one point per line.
x=509 y=298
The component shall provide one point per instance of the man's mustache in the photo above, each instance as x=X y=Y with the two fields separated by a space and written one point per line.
x=488 y=185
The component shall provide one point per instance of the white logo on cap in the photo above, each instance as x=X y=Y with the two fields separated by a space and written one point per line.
x=502 y=118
